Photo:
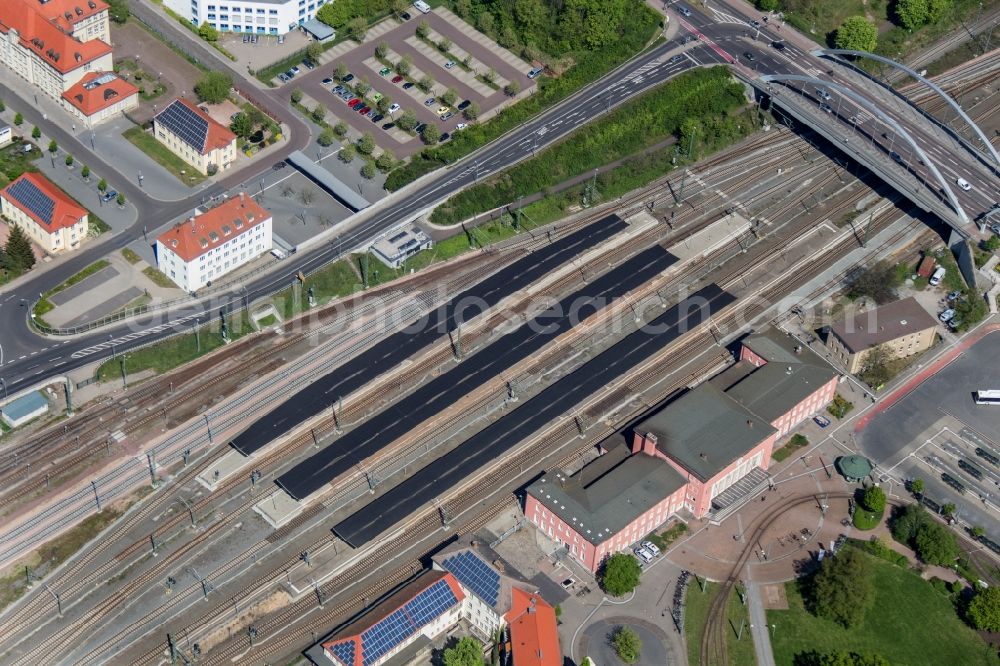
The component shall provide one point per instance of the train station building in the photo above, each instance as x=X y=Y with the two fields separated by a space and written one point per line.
x=693 y=457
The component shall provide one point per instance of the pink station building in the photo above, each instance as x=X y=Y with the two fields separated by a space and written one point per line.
x=691 y=457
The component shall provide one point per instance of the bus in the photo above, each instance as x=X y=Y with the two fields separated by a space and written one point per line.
x=988 y=397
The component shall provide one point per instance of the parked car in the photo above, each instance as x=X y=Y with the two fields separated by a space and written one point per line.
x=397 y=78
x=954 y=323
x=954 y=295
x=370 y=114
x=947 y=315
x=364 y=109
x=420 y=128
x=995 y=228
x=461 y=126
x=109 y=195
x=388 y=126
x=535 y=71
x=295 y=70
x=643 y=554
x=377 y=96
x=464 y=105
x=348 y=78
x=447 y=115
x=651 y=547
x=353 y=102
x=444 y=137
x=337 y=89
x=442 y=110
x=449 y=64
x=821 y=421
x=407 y=85
x=327 y=81
x=377 y=118
x=405 y=16
x=384 y=71
x=430 y=101
x=290 y=74
x=393 y=108
x=283 y=77
x=309 y=64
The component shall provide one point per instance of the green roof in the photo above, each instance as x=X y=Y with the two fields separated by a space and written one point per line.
x=705 y=430
x=853 y=467
x=609 y=493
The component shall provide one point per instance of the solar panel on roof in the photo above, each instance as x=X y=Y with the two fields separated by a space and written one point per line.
x=344 y=652
x=185 y=123
x=385 y=635
x=431 y=603
x=33 y=199
x=476 y=575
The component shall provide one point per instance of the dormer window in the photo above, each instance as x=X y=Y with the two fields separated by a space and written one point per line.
x=203 y=242
x=226 y=230
x=214 y=236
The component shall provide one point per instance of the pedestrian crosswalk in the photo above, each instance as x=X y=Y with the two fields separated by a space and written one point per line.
x=110 y=344
x=723 y=17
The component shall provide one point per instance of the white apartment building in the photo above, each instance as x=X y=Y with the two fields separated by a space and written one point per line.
x=51 y=219
x=270 y=17
x=216 y=242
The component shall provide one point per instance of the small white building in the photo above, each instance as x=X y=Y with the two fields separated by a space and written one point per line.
x=6 y=135
x=45 y=213
x=218 y=241
x=194 y=136
x=21 y=410
x=261 y=17
x=400 y=245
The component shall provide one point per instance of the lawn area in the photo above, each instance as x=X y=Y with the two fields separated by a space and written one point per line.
x=819 y=18
x=696 y=611
x=904 y=604
x=268 y=320
x=130 y=256
x=175 y=351
x=335 y=281
x=44 y=305
x=14 y=161
x=798 y=441
x=145 y=142
x=158 y=278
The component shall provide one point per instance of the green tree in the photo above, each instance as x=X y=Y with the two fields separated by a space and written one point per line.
x=906 y=521
x=85 y=171
x=874 y=499
x=878 y=282
x=875 y=369
x=936 y=9
x=471 y=112
x=425 y=83
x=53 y=146
x=381 y=49
x=431 y=134
x=385 y=161
x=36 y=132
x=69 y=160
x=490 y=75
x=357 y=28
x=313 y=51
x=851 y=659
x=842 y=589
x=976 y=531
x=466 y=652
x=620 y=574
x=102 y=185
x=341 y=70
x=992 y=244
x=407 y=120
x=207 y=32
x=18 y=249
x=767 y=5
x=368 y=170
x=857 y=33
x=627 y=644
x=935 y=544
x=449 y=96
x=366 y=144
x=917 y=486
x=423 y=29
x=362 y=87
x=512 y=88
x=383 y=104
x=213 y=87
x=118 y=10
x=445 y=45
x=242 y=126
x=319 y=112
x=971 y=308
x=984 y=609
x=3 y=107
x=325 y=137
x=18 y=119
x=948 y=509
x=120 y=199
x=340 y=129
x=911 y=14
x=347 y=153
x=400 y=7
x=296 y=95
x=405 y=65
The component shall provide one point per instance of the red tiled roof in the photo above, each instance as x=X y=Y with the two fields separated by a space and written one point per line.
x=534 y=639
x=196 y=236
x=90 y=95
x=65 y=211
x=219 y=135
x=45 y=39
x=67 y=13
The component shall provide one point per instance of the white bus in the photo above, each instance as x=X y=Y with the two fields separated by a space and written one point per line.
x=988 y=397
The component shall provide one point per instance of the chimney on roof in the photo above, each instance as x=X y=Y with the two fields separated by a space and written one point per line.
x=191 y=220
x=644 y=442
x=243 y=201
x=703 y=456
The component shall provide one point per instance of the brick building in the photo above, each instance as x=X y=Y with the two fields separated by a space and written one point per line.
x=903 y=327
x=685 y=455
x=44 y=212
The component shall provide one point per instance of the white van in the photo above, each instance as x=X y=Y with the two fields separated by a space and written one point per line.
x=278 y=253
x=422 y=7
x=937 y=276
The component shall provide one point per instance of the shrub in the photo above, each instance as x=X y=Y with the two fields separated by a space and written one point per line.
x=121 y=199
x=69 y=160
x=18 y=119
x=627 y=644
x=368 y=170
x=325 y=137
x=296 y=95
x=840 y=406
x=36 y=132
x=85 y=171
x=874 y=499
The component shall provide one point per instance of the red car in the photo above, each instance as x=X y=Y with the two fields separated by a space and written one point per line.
x=363 y=109
x=354 y=102
x=397 y=79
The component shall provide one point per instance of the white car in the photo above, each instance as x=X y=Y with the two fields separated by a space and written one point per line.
x=393 y=108
x=461 y=126
x=946 y=315
x=651 y=547
x=963 y=183
x=643 y=554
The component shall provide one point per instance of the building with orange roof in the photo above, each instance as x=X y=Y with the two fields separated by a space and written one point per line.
x=534 y=638
x=195 y=137
x=44 y=212
x=405 y=622
x=215 y=242
x=83 y=19
x=49 y=57
x=100 y=96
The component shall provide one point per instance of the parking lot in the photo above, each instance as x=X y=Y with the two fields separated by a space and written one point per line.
x=401 y=39
x=935 y=430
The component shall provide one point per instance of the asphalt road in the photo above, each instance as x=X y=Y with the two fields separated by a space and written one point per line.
x=448 y=389
x=554 y=402
x=396 y=348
